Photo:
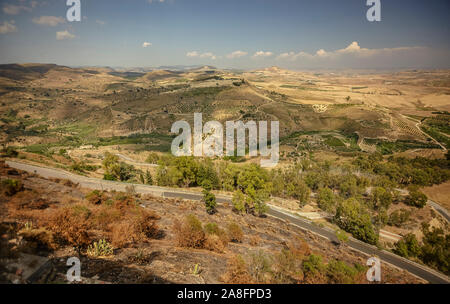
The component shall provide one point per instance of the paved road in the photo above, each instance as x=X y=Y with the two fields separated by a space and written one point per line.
x=440 y=209
x=423 y=272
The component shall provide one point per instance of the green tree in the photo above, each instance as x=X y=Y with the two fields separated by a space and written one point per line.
x=209 y=198
x=408 y=246
x=238 y=201
x=298 y=190
x=435 y=251
x=380 y=198
x=326 y=199
x=416 y=198
x=353 y=217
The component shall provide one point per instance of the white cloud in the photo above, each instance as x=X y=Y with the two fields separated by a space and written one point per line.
x=11 y=9
x=151 y=1
x=262 y=54
x=64 y=35
x=236 y=54
x=352 y=50
x=49 y=20
x=146 y=44
x=194 y=54
x=8 y=27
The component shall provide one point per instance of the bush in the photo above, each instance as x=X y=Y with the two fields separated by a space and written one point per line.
x=260 y=267
x=399 y=217
x=210 y=201
x=287 y=268
x=313 y=265
x=190 y=233
x=435 y=251
x=39 y=239
x=416 y=199
x=352 y=217
x=10 y=152
x=100 y=249
x=11 y=186
x=339 y=272
x=96 y=197
x=237 y=272
x=408 y=246
x=70 y=227
x=238 y=201
x=138 y=226
x=235 y=232
x=326 y=200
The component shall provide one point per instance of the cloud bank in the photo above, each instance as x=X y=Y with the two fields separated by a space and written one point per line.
x=64 y=35
x=8 y=27
x=49 y=20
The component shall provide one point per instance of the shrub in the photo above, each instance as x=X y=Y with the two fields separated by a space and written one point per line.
x=216 y=238
x=435 y=251
x=416 y=199
x=352 y=217
x=39 y=239
x=235 y=232
x=212 y=228
x=96 y=197
x=341 y=236
x=10 y=152
x=260 y=267
x=70 y=227
x=287 y=268
x=408 y=246
x=135 y=228
x=210 y=201
x=215 y=243
x=237 y=272
x=399 y=217
x=339 y=272
x=190 y=233
x=326 y=199
x=100 y=249
x=145 y=224
x=238 y=201
x=11 y=186
x=313 y=265
x=122 y=234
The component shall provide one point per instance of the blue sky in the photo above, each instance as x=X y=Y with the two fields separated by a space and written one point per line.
x=234 y=33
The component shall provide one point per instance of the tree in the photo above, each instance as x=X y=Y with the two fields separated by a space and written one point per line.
x=352 y=217
x=380 y=198
x=115 y=170
x=408 y=246
x=299 y=190
x=326 y=199
x=416 y=198
x=435 y=251
x=255 y=201
x=209 y=198
x=238 y=201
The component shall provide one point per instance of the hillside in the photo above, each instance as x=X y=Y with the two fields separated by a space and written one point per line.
x=54 y=105
x=157 y=240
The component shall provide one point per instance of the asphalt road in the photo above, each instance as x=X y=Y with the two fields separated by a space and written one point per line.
x=421 y=271
x=440 y=209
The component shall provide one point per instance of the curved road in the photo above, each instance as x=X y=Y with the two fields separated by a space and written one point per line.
x=418 y=270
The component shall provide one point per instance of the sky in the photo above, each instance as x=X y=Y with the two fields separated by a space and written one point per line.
x=243 y=34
